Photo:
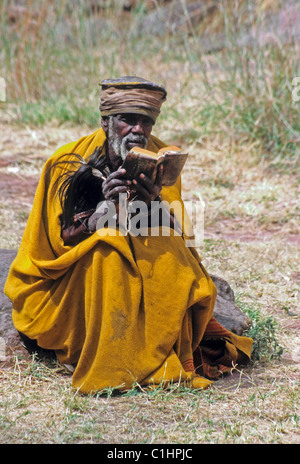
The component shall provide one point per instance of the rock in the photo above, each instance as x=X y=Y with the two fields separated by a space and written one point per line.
x=10 y=342
x=226 y=312
x=6 y=258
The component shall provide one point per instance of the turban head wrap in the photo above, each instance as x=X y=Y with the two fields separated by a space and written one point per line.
x=131 y=94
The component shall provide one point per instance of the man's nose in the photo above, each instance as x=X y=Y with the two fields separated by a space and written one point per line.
x=138 y=128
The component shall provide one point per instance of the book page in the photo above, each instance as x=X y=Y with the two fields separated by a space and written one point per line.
x=143 y=161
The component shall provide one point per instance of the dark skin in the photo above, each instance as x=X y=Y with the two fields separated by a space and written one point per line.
x=116 y=183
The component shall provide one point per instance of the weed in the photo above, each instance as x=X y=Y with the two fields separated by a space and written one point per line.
x=263 y=332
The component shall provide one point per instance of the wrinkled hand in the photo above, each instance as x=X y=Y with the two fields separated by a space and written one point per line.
x=115 y=184
x=142 y=189
x=145 y=189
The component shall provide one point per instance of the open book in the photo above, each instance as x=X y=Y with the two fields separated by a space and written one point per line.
x=139 y=160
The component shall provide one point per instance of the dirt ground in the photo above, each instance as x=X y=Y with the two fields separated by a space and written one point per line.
x=251 y=239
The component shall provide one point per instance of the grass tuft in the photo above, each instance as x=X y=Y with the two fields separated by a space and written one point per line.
x=264 y=332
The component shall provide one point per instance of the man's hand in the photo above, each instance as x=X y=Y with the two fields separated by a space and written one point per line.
x=115 y=184
x=142 y=189
x=145 y=189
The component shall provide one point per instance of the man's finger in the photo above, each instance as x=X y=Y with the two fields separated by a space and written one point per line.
x=112 y=183
x=115 y=192
x=116 y=174
x=159 y=176
x=141 y=190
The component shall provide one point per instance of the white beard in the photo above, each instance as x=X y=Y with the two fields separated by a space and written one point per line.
x=118 y=144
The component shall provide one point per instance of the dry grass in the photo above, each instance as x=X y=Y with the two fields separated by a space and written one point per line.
x=255 y=406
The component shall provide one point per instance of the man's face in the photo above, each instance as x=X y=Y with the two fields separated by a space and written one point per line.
x=125 y=131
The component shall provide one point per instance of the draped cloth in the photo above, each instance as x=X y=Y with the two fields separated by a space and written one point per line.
x=121 y=309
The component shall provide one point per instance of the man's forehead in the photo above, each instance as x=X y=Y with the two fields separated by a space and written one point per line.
x=131 y=115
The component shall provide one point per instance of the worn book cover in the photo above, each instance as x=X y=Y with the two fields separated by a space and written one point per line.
x=140 y=160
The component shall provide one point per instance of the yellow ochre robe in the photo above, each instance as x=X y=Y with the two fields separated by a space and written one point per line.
x=122 y=309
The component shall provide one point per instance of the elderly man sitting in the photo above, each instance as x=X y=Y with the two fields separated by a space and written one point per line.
x=121 y=308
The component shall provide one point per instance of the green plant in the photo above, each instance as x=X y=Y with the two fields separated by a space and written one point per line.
x=263 y=332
